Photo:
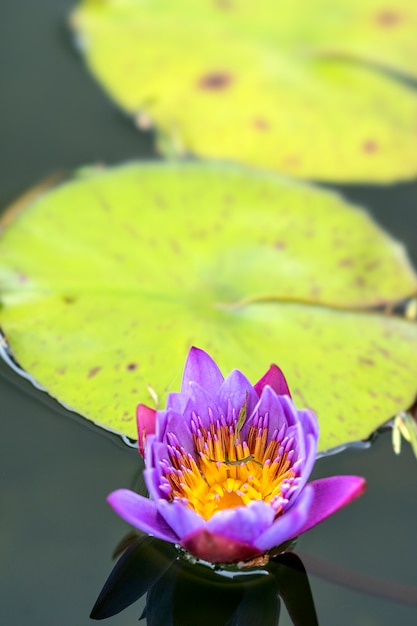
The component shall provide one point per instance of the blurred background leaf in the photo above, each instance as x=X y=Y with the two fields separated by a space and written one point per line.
x=316 y=89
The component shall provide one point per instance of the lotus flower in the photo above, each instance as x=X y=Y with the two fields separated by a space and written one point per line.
x=227 y=464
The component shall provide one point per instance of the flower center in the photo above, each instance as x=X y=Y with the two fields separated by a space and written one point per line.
x=225 y=472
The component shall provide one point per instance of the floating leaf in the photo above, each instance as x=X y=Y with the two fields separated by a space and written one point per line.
x=293 y=86
x=107 y=280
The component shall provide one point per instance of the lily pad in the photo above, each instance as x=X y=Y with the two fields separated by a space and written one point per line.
x=306 y=88
x=108 y=279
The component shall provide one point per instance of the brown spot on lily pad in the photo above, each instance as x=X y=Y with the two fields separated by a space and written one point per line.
x=315 y=291
x=346 y=262
x=259 y=123
x=175 y=246
x=69 y=299
x=388 y=18
x=280 y=245
x=365 y=361
x=131 y=367
x=93 y=371
x=370 y=146
x=215 y=81
x=372 y=265
x=292 y=160
x=160 y=202
x=224 y=4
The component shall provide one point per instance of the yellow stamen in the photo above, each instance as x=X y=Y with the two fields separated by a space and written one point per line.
x=227 y=472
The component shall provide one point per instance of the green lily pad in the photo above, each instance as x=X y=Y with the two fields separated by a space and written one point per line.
x=108 y=279
x=292 y=86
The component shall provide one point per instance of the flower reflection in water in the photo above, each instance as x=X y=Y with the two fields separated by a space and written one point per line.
x=180 y=593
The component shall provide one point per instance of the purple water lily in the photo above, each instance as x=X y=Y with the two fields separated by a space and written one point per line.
x=227 y=464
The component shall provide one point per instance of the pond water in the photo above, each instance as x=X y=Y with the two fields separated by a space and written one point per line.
x=57 y=532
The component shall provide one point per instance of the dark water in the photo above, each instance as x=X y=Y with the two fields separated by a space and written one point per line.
x=57 y=532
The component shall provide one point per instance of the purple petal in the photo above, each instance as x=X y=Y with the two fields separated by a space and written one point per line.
x=180 y=517
x=234 y=391
x=292 y=414
x=200 y=403
x=330 y=495
x=200 y=368
x=177 y=401
x=141 y=513
x=149 y=454
x=270 y=403
x=217 y=549
x=305 y=431
x=243 y=523
x=152 y=477
x=288 y=525
x=275 y=379
x=181 y=428
x=310 y=453
x=146 y=418
x=160 y=425
x=309 y=421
